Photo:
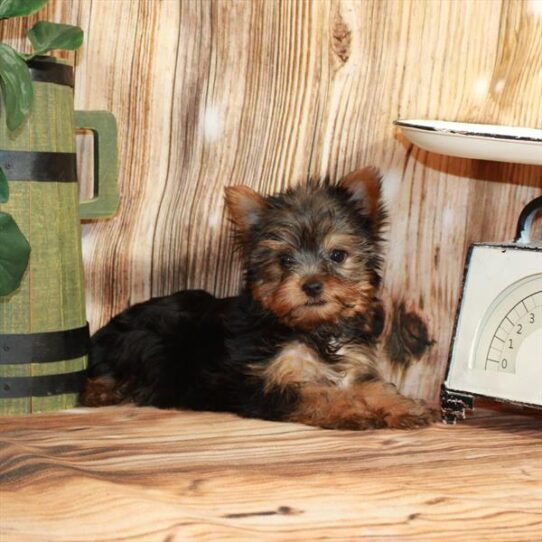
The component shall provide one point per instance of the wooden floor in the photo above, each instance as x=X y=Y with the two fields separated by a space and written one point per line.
x=141 y=474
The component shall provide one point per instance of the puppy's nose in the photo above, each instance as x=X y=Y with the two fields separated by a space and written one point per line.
x=313 y=288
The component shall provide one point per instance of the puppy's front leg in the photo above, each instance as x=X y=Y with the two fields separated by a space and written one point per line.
x=364 y=405
x=333 y=407
x=394 y=409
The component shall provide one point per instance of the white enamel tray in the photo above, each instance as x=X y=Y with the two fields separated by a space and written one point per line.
x=479 y=141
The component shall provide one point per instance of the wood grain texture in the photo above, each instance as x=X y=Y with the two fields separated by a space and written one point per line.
x=147 y=475
x=267 y=93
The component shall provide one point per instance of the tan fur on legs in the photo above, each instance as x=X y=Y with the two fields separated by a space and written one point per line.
x=364 y=405
x=332 y=407
x=101 y=391
x=395 y=410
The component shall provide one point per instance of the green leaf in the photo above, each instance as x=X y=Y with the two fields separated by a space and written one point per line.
x=16 y=86
x=14 y=254
x=4 y=187
x=46 y=36
x=17 y=8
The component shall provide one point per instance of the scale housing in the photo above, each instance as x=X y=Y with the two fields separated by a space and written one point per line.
x=486 y=328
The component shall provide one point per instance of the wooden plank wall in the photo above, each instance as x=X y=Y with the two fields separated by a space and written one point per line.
x=209 y=93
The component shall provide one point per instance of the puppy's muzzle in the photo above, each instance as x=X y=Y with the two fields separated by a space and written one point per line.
x=313 y=287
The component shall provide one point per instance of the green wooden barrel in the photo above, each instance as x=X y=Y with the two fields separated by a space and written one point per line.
x=43 y=327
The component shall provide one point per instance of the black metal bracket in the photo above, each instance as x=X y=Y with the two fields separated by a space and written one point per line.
x=526 y=219
x=453 y=404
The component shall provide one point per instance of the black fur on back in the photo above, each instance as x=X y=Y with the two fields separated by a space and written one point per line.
x=190 y=350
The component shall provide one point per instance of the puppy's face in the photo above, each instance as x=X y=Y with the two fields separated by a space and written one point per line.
x=312 y=253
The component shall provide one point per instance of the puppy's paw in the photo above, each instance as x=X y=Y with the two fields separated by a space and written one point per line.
x=409 y=414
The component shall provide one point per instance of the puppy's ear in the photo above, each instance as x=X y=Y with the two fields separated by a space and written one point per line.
x=245 y=207
x=364 y=188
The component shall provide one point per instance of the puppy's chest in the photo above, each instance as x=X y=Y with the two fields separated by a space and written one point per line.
x=297 y=363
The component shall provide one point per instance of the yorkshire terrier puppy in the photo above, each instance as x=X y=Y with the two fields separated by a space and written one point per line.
x=298 y=344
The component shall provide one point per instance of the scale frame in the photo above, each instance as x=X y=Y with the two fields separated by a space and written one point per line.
x=482 y=142
x=455 y=402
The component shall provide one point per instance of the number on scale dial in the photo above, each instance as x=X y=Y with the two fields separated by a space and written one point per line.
x=511 y=330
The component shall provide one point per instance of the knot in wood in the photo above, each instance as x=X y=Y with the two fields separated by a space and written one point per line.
x=341 y=38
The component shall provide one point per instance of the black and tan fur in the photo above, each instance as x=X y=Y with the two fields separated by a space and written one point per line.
x=298 y=343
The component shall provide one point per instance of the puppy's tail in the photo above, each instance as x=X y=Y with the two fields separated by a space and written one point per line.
x=101 y=391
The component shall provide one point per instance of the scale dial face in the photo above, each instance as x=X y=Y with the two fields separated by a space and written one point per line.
x=511 y=330
x=497 y=349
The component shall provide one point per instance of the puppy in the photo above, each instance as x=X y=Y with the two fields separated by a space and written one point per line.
x=299 y=342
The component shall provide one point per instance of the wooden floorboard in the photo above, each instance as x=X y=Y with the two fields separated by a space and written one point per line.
x=127 y=474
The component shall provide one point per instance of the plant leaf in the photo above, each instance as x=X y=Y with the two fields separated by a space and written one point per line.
x=46 y=36
x=17 y=8
x=14 y=254
x=4 y=187
x=16 y=86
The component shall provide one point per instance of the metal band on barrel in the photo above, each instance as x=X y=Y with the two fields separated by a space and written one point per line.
x=41 y=386
x=46 y=347
x=46 y=71
x=39 y=166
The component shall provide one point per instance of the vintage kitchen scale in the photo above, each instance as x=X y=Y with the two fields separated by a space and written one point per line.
x=496 y=349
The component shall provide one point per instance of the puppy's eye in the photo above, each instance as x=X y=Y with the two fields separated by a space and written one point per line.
x=286 y=261
x=338 y=256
